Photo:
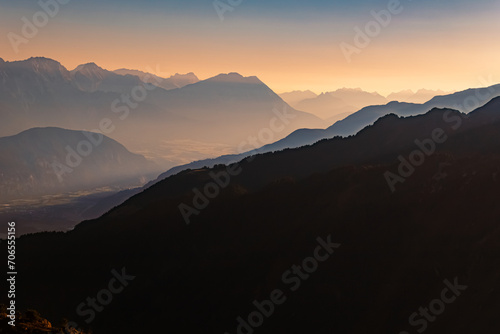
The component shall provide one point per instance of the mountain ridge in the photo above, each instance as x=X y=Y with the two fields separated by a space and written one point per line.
x=49 y=160
x=315 y=192
x=215 y=113
x=354 y=123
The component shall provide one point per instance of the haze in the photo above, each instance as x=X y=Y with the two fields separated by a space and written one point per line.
x=289 y=45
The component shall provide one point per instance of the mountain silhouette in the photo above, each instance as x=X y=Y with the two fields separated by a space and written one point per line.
x=333 y=106
x=222 y=111
x=294 y=97
x=175 y=81
x=44 y=161
x=90 y=78
x=396 y=248
x=421 y=96
x=366 y=116
x=350 y=125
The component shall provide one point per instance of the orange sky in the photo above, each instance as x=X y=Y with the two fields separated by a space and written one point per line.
x=411 y=53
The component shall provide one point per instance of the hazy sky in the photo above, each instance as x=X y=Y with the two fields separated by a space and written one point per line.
x=447 y=44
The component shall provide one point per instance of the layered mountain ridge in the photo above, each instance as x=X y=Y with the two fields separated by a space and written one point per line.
x=219 y=112
x=270 y=216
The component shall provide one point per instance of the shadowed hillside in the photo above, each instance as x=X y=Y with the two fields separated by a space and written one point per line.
x=397 y=248
x=44 y=161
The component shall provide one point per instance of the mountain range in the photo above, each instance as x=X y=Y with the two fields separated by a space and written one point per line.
x=228 y=99
x=296 y=96
x=333 y=106
x=175 y=81
x=421 y=96
x=463 y=101
x=168 y=126
x=336 y=105
x=393 y=249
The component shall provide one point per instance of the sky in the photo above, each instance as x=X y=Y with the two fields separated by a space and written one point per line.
x=290 y=45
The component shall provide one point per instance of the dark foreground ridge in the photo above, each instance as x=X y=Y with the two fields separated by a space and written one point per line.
x=423 y=257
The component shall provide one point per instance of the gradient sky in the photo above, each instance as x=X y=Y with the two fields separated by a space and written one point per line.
x=438 y=44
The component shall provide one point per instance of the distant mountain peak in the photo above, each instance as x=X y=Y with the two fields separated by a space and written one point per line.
x=301 y=91
x=89 y=65
x=179 y=75
x=90 y=69
x=42 y=62
x=357 y=90
x=429 y=93
x=174 y=81
x=44 y=65
x=234 y=77
x=423 y=90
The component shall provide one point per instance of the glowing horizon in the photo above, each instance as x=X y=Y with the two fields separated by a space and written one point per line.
x=447 y=45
